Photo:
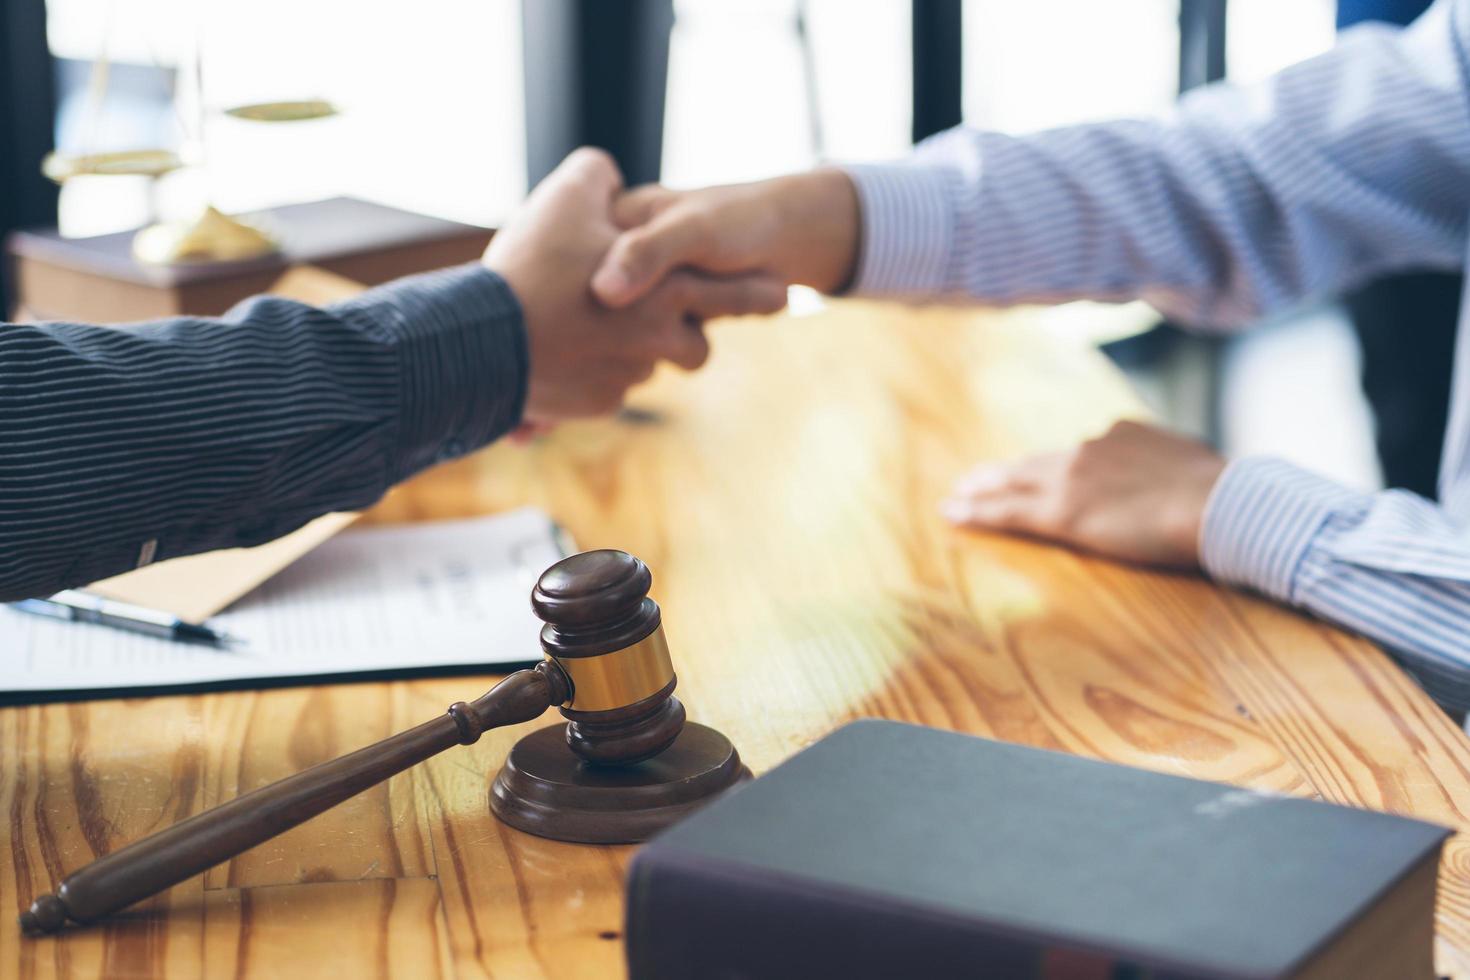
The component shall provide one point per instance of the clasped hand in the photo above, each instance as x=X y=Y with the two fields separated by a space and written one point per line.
x=584 y=356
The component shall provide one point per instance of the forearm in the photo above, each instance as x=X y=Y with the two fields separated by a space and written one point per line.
x=120 y=446
x=1242 y=201
x=1391 y=566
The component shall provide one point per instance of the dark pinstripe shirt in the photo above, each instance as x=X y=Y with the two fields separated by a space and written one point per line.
x=124 y=446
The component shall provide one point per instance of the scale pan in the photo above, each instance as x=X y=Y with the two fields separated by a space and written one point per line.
x=61 y=167
x=283 y=111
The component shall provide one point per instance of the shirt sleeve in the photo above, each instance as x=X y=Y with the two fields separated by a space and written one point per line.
x=125 y=445
x=1242 y=201
x=1392 y=565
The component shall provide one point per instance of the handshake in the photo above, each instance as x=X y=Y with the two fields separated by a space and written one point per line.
x=611 y=282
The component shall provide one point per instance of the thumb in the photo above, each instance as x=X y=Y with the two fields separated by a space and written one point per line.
x=641 y=257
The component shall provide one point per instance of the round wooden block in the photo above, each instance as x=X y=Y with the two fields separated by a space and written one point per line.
x=545 y=790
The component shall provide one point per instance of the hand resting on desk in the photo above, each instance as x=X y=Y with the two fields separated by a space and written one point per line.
x=1137 y=493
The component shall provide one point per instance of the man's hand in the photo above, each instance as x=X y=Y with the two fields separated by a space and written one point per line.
x=801 y=229
x=583 y=356
x=1137 y=493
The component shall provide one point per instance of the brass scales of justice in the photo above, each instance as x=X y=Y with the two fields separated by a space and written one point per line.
x=209 y=235
x=625 y=765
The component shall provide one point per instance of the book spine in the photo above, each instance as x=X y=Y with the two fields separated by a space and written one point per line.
x=689 y=917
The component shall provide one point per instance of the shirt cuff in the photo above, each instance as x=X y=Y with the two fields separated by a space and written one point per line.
x=1261 y=519
x=907 y=229
x=463 y=362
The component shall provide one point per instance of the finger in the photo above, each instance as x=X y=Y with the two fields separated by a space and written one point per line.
x=1014 y=512
x=1027 y=474
x=644 y=255
x=666 y=336
x=687 y=346
x=987 y=478
x=639 y=205
x=708 y=297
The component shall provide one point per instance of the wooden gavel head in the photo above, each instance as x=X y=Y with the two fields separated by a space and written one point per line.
x=606 y=635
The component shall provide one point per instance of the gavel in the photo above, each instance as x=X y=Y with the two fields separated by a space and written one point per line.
x=625 y=765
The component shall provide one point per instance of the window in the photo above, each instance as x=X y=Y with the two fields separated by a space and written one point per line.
x=430 y=95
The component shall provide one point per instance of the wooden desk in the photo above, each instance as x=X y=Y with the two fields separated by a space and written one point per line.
x=785 y=499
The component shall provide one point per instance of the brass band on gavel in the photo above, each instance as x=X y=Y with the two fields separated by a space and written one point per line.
x=621 y=677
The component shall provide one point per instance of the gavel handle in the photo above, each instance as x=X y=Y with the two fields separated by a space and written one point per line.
x=154 y=863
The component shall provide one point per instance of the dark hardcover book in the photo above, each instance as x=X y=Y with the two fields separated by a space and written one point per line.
x=98 y=280
x=890 y=850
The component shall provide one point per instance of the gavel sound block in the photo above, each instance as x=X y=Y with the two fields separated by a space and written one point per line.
x=625 y=765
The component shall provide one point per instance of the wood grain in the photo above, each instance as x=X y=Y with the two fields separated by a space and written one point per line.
x=813 y=450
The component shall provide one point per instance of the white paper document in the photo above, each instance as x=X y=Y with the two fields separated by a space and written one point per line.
x=442 y=594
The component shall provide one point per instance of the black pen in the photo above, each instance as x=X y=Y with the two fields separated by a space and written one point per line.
x=81 y=607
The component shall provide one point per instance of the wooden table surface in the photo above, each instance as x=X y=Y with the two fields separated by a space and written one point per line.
x=785 y=500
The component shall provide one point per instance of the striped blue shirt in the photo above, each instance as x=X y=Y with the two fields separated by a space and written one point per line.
x=122 y=446
x=1243 y=201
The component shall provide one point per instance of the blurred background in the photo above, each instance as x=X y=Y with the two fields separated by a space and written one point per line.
x=451 y=107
